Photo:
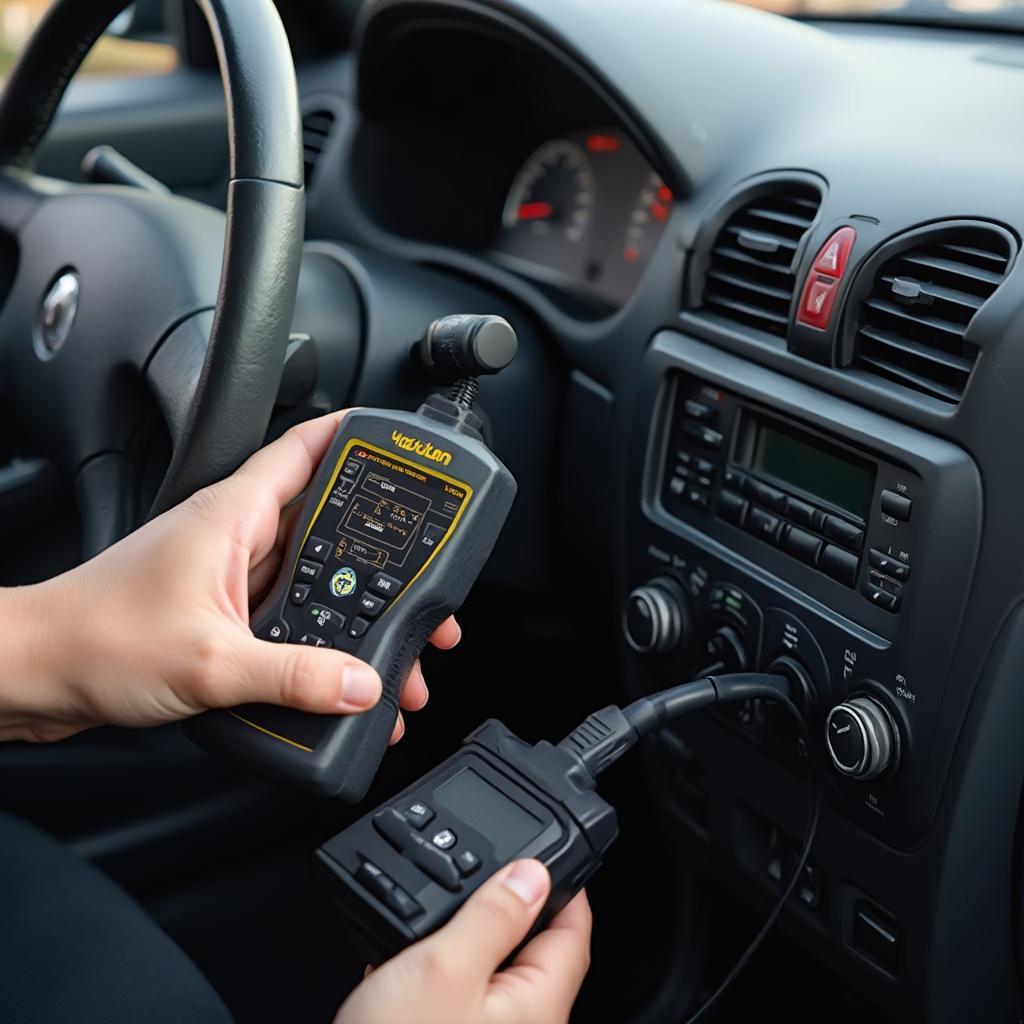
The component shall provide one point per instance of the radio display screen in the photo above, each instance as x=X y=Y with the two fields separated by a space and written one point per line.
x=816 y=468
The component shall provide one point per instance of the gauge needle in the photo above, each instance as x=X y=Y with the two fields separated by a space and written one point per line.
x=535 y=211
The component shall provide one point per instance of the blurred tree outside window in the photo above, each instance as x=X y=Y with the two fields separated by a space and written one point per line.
x=112 y=54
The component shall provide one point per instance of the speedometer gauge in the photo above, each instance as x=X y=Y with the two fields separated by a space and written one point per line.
x=646 y=219
x=548 y=210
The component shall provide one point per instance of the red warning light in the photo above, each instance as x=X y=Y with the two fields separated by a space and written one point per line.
x=632 y=254
x=665 y=194
x=602 y=143
x=659 y=211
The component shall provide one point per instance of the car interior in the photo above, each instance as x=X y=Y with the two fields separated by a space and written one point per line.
x=764 y=416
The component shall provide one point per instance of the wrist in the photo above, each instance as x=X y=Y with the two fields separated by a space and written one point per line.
x=37 y=698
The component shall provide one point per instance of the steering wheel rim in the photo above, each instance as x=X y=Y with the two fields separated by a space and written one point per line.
x=236 y=374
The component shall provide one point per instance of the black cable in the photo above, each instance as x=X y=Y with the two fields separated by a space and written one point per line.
x=606 y=735
x=810 y=830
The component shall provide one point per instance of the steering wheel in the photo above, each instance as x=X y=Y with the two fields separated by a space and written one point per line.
x=120 y=296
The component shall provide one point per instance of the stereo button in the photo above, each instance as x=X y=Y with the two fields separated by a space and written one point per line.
x=889 y=566
x=804 y=514
x=697 y=498
x=801 y=544
x=763 y=524
x=896 y=505
x=699 y=411
x=707 y=437
x=734 y=478
x=881 y=598
x=839 y=564
x=731 y=507
x=845 y=533
x=770 y=496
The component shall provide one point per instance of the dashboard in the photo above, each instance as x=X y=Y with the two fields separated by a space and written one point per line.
x=778 y=263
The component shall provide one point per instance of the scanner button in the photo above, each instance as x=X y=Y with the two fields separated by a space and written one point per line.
x=352 y=467
x=467 y=862
x=276 y=631
x=433 y=863
x=370 y=605
x=313 y=640
x=358 y=628
x=318 y=549
x=300 y=591
x=399 y=901
x=324 y=620
x=444 y=840
x=418 y=814
x=393 y=827
x=369 y=876
x=307 y=570
x=386 y=585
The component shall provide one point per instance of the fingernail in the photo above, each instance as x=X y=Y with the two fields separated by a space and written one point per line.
x=360 y=687
x=528 y=879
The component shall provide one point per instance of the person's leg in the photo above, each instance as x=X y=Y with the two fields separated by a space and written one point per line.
x=75 y=947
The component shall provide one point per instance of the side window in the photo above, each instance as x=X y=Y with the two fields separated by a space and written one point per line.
x=134 y=44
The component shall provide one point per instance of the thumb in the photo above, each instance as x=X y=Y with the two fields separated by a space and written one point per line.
x=320 y=680
x=495 y=919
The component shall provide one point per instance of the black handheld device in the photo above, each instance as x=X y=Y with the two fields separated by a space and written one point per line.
x=400 y=872
x=395 y=528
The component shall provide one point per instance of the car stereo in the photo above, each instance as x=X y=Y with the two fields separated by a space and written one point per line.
x=841 y=511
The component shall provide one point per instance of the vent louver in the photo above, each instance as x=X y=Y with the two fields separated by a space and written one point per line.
x=913 y=321
x=316 y=130
x=750 y=276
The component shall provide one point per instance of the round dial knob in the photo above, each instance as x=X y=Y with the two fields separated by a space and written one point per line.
x=862 y=737
x=657 y=617
x=726 y=651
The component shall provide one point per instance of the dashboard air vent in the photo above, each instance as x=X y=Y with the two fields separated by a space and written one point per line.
x=750 y=277
x=316 y=129
x=914 y=318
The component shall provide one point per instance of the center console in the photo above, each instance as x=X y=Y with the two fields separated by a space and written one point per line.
x=775 y=525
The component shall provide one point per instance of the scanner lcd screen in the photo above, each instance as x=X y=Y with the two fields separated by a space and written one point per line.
x=478 y=804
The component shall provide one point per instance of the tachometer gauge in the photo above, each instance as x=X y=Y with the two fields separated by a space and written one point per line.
x=646 y=220
x=548 y=210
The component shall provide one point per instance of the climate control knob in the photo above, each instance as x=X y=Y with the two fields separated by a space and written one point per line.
x=862 y=738
x=657 y=617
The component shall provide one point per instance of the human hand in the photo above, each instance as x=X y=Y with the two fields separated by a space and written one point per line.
x=156 y=628
x=452 y=976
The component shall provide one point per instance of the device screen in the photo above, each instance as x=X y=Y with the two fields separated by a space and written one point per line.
x=484 y=808
x=815 y=469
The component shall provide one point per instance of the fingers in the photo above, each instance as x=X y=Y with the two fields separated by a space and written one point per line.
x=414 y=693
x=399 y=730
x=554 y=963
x=494 y=920
x=447 y=635
x=313 y=679
x=285 y=467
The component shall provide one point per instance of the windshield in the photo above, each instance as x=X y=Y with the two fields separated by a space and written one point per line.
x=989 y=12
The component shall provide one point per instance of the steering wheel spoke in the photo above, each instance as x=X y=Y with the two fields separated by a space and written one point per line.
x=173 y=372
